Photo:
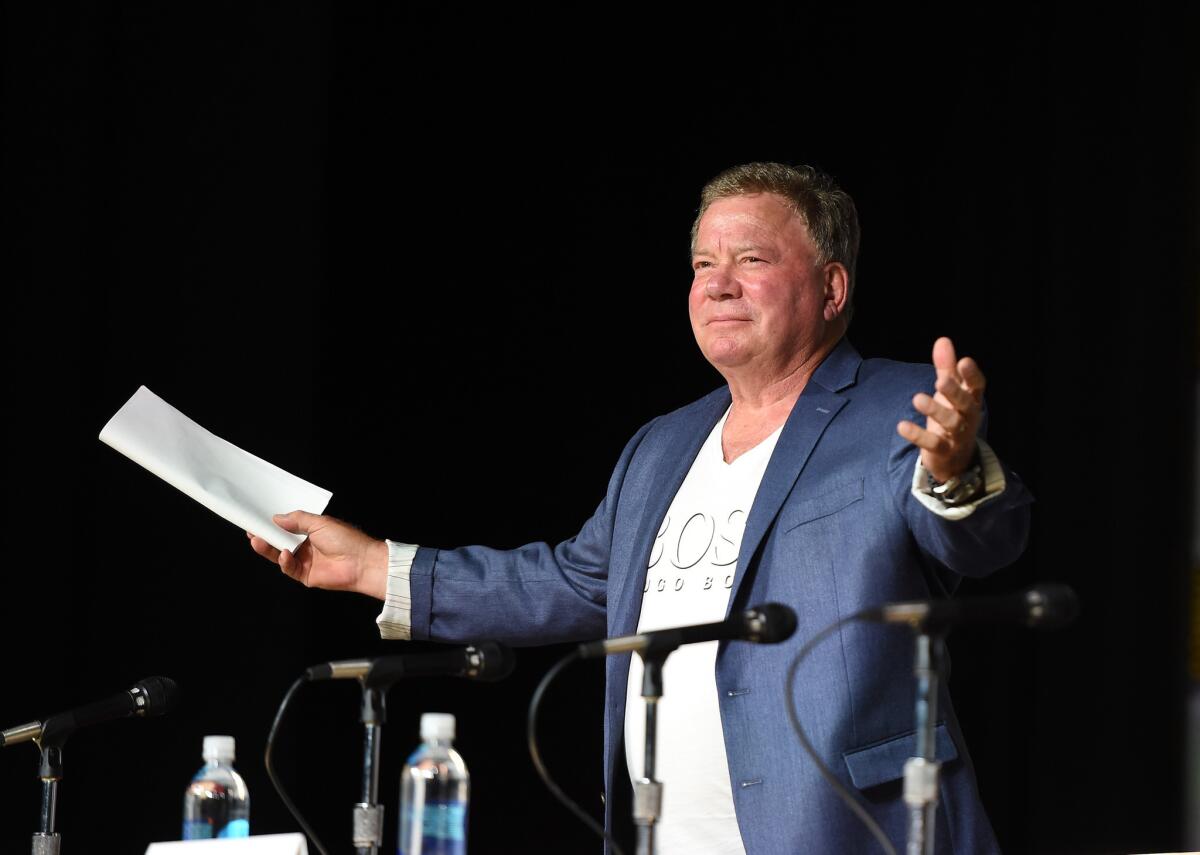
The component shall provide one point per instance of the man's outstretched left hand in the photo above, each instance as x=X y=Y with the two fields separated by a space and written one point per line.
x=953 y=414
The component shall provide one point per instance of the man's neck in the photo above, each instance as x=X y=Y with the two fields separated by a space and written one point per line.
x=761 y=405
x=766 y=391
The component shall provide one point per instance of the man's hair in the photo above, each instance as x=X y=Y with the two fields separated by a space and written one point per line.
x=827 y=210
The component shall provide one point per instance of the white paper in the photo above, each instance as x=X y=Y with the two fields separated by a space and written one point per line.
x=264 y=844
x=232 y=483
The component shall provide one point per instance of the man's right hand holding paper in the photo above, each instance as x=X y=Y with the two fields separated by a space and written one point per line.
x=336 y=556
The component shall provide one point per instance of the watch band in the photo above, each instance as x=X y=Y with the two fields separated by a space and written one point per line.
x=963 y=488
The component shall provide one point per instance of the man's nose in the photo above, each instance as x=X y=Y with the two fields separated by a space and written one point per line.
x=722 y=284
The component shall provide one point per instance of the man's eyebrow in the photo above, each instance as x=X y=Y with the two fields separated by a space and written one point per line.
x=737 y=250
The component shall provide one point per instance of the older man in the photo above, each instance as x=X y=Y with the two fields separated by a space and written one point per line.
x=807 y=479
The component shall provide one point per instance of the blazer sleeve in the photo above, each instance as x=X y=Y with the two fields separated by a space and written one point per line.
x=991 y=537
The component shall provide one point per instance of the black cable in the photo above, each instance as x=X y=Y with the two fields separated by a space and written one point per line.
x=790 y=701
x=287 y=801
x=531 y=733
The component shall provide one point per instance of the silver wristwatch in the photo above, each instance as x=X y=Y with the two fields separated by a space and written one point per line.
x=962 y=489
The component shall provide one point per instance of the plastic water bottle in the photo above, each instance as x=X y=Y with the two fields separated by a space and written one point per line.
x=216 y=803
x=434 y=793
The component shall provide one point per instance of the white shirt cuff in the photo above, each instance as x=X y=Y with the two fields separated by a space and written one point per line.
x=395 y=621
x=993 y=486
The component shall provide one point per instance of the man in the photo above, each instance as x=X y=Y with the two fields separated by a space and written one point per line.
x=806 y=480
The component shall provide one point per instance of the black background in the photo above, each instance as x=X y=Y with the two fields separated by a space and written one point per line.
x=435 y=259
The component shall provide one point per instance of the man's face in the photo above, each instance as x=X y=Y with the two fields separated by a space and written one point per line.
x=759 y=301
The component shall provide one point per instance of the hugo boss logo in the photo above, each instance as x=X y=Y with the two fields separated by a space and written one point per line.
x=680 y=583
x=687 y=541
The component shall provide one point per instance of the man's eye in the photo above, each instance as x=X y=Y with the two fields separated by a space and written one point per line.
x=750 y=258
x=700 y=265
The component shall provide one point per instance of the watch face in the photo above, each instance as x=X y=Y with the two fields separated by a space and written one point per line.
x=963 y=488
x=947 y=486
x=959 y=489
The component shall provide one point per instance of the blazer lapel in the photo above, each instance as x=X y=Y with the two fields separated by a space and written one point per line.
x=682 y=447
x=815 y=409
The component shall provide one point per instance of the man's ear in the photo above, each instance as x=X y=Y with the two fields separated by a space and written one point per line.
x=837 y=290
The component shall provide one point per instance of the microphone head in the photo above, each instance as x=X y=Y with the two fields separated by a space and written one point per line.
x=160 y=693
x=1051 y=605
x=769 y=623
x=495 y=661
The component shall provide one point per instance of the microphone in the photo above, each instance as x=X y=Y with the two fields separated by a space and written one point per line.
x=769 y=623
x=149 y=697
x=487 y=661
x=1043 y=606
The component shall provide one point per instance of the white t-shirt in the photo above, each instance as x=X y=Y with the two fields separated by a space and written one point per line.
x=688 y=581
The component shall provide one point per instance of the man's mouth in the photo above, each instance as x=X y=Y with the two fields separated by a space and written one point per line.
x=727 y=319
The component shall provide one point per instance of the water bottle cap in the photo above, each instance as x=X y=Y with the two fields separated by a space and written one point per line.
x=437 y=725
x=219 y=748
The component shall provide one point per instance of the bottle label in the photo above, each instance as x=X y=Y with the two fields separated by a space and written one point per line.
x=201 y=829
x=445 y=821
x=197 y=829
x=443 y=830
x=236 y=828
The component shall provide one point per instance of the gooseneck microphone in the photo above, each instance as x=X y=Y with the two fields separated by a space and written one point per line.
x=769 y=623
x=149 y=697
x=486 y=661
x=1044 y=606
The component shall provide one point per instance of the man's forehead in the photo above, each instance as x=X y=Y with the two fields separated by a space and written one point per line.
x=745 y=219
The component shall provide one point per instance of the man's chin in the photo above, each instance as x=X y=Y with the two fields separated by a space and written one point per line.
x=725 y=356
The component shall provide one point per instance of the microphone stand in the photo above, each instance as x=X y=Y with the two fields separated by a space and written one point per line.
x=368 y=814
x=47 y=841
x=647 y=792
x=921 y=771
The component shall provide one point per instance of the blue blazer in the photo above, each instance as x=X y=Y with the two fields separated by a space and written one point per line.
x=833 y=529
